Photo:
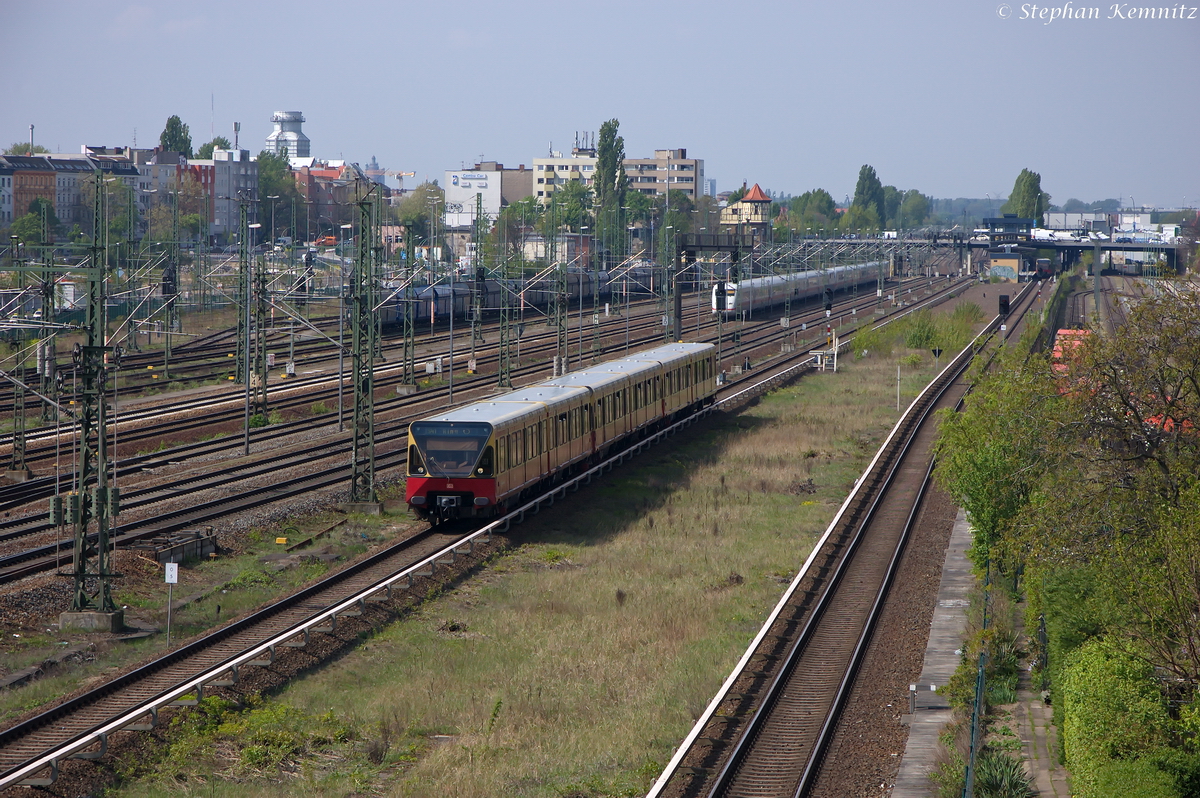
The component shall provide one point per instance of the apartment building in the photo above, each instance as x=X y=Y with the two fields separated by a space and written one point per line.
x=552 y=173
x=6 y=194
x=225 y=178
x=668 y=170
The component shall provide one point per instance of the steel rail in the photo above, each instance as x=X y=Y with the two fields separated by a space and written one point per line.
x=135 y=717
x=674 y=764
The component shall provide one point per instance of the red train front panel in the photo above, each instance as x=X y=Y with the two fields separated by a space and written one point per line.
x=451 y=469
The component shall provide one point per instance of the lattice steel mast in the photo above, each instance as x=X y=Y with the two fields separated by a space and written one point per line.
x=91 y=567
x=362 y=330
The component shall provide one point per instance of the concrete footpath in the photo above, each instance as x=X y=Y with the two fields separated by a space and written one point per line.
x=1031 y=715
x=941 y=659
x=1039 y=742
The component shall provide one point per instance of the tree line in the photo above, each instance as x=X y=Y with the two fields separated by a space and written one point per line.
x=1082 y=483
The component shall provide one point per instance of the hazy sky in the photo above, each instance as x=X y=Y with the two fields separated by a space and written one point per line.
x=951 y=97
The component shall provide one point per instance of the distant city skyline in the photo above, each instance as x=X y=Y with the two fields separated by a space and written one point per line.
x=950 y=98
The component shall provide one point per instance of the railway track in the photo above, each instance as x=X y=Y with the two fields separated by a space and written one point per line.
x=192 y=415
x=768 y=729
x=33 y=752
x=391 y=439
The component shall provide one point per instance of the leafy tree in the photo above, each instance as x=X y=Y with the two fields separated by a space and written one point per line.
x=278 y=196
x=610 y=184
x=176 y=137
x=1113 y=712
x=678 y=214
x=859 y=217
x=41 y=206
x=22 y=148
x=914 y=209
x=28 y=228
x=206 y=149
x=1098 y=468
x=573 y=203
x=892 y=198
x=640 y=207
x=1027 y=199
x=414 y=210
x=737 y=194
x=512 y=227
x=869 y=195
x=707 y=215
x=989 y=457
x=815 y=204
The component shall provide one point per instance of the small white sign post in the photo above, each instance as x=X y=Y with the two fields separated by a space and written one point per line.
x=172 y=576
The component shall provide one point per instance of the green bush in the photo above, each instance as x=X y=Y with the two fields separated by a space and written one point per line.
x=920 y=332
x=1183 y=767
x=873 y=341
x=1134 y=778
x=1112 y=711
x=1075 y=612
x=999 y=775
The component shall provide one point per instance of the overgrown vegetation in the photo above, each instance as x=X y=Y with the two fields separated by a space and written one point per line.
x=574 y=664
x=1084 y=485
x=923 y=331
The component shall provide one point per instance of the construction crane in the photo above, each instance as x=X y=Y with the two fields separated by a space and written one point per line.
x=376 y=173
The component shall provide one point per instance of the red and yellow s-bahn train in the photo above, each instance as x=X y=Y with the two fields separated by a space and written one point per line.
x=479 y=460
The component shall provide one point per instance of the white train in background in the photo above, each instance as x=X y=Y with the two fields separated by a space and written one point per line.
x=760 y=293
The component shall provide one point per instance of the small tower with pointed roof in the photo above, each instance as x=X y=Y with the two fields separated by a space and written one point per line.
x=752 y=212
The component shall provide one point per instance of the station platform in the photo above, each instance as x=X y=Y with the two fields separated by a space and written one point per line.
x=1031 y=715
x=941 y=659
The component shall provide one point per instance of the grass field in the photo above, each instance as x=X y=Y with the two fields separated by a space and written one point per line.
x=575 y=662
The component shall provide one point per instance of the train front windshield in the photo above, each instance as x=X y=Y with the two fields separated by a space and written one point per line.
x=450 y=448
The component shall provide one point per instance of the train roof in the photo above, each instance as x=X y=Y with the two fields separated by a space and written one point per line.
x=588 y=378
x=491 y=412
x=544 y=392
x=806 y=273
x=525 y=400
x=659 y=354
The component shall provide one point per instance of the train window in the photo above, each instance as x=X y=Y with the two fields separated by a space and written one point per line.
x=450 y=449
x=529 y=441
x=501 y=454
x=487 y=464
x=416 y=467
x=563 y=429
x=600 y=411
x=516 y=447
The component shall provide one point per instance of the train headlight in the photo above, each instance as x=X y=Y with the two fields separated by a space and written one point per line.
x=481 y=501
x=417 y=500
